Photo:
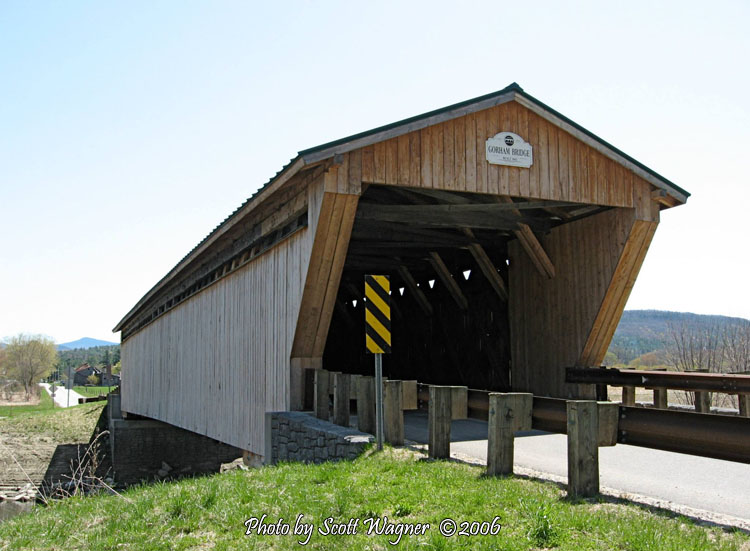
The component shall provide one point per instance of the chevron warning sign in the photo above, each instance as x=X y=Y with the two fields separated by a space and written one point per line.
x=378 y=314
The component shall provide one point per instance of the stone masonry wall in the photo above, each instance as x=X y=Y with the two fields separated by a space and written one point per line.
x=298 y=436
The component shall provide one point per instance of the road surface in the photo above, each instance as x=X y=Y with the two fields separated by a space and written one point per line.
x=61 y=395
x=697 y=482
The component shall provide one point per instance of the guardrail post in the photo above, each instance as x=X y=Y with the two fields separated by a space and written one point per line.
x=366 y=404
x=409 y=394
x=439 y=422
x=702 y=401
x=660 y=398
x=394 y=413
x=508 y=413
x=583 y=450
x=322 y=391
x=743 y=402
x=459 y=402
x=341 y=393
x=628 y=396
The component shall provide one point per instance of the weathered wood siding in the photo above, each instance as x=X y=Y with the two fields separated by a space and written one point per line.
x=451 y=156
x=569 y=320
x=219 y=361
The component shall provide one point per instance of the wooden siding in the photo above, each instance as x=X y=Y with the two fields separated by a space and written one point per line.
x=216 y=363
x=451 y=156
x=569 y=320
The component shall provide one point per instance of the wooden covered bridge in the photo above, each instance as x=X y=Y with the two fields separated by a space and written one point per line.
x=512 y=237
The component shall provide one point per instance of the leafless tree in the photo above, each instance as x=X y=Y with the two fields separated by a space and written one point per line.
x=29 y=359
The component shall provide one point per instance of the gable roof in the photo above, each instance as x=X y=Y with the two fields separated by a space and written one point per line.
x=512 y=92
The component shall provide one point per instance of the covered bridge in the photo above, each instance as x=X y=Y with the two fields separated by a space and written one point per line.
x=512 y=237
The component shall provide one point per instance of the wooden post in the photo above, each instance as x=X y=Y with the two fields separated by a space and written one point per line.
x=409 y=394
x=366 y=404
x=743 y=401
x=583 y=450
x=341 y=394
x=702 y=401
x=660 y=398
x=608 y=419
x=628 y=396
x=322 y=390
x=308 y=400
x=353 y=386
x=459 y=402
x=439 y=422
x=393 y=413
x=508 y=413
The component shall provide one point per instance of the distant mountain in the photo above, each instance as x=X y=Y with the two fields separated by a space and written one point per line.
x=642 y=331
x=85 y=342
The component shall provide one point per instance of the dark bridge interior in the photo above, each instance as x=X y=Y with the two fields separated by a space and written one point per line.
x=447 y=256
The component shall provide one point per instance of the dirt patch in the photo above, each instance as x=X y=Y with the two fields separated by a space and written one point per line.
x=41 y=445
x=18 y=399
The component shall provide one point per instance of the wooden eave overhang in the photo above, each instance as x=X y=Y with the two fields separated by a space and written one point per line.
x=675 y=195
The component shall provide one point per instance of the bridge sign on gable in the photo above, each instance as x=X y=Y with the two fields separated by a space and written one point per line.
x=507 y=148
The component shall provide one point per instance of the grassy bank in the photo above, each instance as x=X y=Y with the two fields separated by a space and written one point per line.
x=210 y=512
x=91 y=391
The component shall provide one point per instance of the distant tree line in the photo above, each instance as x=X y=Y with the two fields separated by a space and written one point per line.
x=98 y=356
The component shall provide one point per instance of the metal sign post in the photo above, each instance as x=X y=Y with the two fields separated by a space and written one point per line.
x=378 y=338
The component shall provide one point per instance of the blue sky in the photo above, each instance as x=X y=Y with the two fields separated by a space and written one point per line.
x=129 y=130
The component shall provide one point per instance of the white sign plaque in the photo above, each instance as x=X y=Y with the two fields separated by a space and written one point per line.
x=507 y=148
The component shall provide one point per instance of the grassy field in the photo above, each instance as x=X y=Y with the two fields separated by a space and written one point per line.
x=91 y=391
x=210 y=512
x=45 y=404
x=73 y=424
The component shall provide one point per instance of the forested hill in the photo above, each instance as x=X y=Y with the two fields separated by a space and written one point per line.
x=645 y=331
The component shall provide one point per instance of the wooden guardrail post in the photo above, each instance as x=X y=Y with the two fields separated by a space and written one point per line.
x=393 y=413
x=702 y=401
x=439 y=422
x=459 y=402
x=583 y=450
x=341 y=394
x=508 y=413
x=660 y=398
x=409 y=394
x=628 y=396
x=743 y=402
x=366 y=404
x=322 y=391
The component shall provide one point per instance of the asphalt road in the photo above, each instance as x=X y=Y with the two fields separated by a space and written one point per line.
x=61 y=395
x=708 y=484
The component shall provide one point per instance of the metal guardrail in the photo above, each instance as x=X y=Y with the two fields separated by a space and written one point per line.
x=728 y=383
x=706 y=435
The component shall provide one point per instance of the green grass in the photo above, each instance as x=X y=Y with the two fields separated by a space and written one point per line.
x=45 y=404
x=73 y=424
x=209 y=512
x=91 y=391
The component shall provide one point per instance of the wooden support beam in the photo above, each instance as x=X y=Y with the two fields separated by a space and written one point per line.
x=487 y=267
x=409 y=394
x=618 y=291
x=484 y=216
x=424 y=304
x=530 y=243
x=743 y=404
x=583 y=449
x=608 y=418
x=447 y=279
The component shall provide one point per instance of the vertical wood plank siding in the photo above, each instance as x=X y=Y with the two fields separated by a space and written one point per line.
x=451 y=156
x=216 y=363
x=569 y=320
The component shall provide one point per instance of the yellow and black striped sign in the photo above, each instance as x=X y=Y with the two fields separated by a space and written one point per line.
x=378 y=314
